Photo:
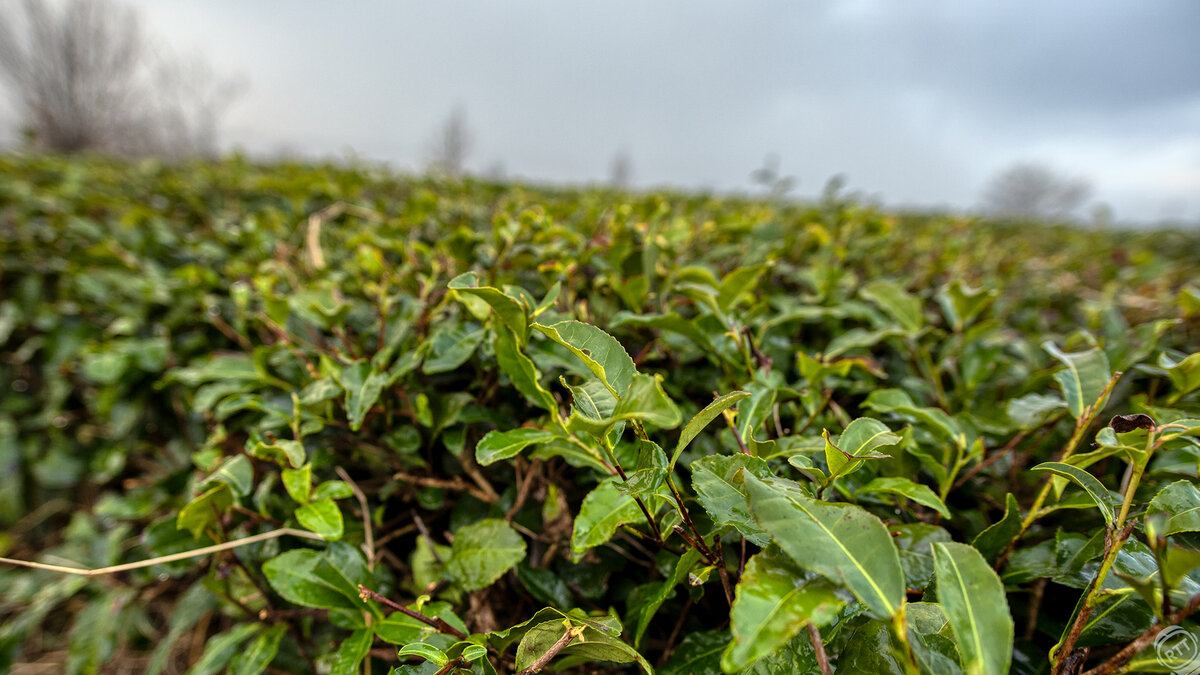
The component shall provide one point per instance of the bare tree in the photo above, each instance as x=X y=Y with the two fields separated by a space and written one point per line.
x=85 y=77
x=452 y=145
x=769 y=177
x=1034 y=191
x=621 y=171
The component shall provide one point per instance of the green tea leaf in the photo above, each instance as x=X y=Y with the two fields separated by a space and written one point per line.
x=196 y=515
x=256 y=657
x=323 y=517
x=425 y=651
x=702 y=419
x=292 y=575
x=363 y=387
x=977 y=607
x=1083 y=379
x=349 y=656
x=997 y=536
x=510 y=311
x=841 y=542
x=857 y=443
x=1085 y=480
x=920 y=494
x=604 y=510
x=481 y=552
x=896 y=303
x=220 y=648
x=646 y=401
x=721 y=490
x=521 y=371
x=775 y=600
x=498 y=445
x=597 y=350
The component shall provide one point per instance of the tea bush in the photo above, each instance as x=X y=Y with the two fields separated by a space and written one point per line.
x=320 y=419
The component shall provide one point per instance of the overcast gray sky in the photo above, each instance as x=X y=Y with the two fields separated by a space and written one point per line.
x=916 y=102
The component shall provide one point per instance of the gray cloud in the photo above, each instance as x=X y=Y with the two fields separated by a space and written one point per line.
x=919 y=102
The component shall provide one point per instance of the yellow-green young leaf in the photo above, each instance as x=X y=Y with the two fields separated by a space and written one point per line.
x=235 y=472
x=509 y=310
x=904 y=487
x=298 y=483
x=498 y=445
x=1085 y=480
x=839 y=541
x=975 y=603
x=521 y=371
x=259 y=654
x=645 y=400
x=597 y=350
x=219 y=649
x=1083 y=379
x=896 y=303
x=1185 y=375
x=349 y=656
x=281 y=452
x=604 y=510
x=775 y=600
x=323 y=517
x=204 y=509
x=425 y=651
x=701 y=420
x=738 y=282
x=332 y=489
x=482 y=552
x=857 y=443
x=473 y=652
x=997 y=536
x=592 y=645
x=961 y=303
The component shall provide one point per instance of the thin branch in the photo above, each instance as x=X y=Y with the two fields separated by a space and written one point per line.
x=216 y=548
x=1122 y=657
x=733 y=429
x=814 y=636
x=368 y=534
x=553 y=651
x=437 y=623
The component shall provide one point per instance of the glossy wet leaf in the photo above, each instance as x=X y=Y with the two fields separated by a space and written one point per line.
x=775 y=600
x=904 y=487
x=976 y=606
x=1094 y=488
x=720 y=487
x=498 y=445
x=841 y=542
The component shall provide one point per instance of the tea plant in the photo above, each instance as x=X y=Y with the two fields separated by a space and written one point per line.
x=315 y=419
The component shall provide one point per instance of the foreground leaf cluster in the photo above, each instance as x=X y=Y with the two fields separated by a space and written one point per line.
x=513 y=428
